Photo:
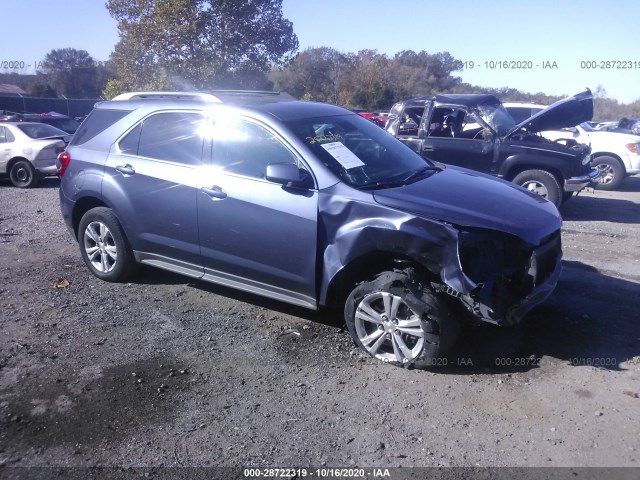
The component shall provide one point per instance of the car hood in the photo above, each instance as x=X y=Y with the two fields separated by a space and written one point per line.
x=470 y=199
x=567 y=112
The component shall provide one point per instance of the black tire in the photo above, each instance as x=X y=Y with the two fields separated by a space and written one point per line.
x=428 y=328
x=541 y=182
x=23 y=175
x=100 y=233
x=614 y=172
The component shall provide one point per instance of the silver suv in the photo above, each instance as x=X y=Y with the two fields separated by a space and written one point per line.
x=309 y=204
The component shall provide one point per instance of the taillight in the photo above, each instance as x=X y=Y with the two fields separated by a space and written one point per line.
x=63 y=162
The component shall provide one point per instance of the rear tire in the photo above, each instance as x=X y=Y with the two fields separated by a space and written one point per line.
x=614 y=172
x=104 y=246
x=397 y=319
x=23 y=175
x=542 y=183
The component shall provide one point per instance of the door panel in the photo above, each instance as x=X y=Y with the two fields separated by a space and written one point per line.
x=255 y=234
x=259 y=233
x=152 y=175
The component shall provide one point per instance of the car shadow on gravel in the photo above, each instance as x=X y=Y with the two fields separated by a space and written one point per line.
x=153 y=276
x=95 y=405
x=589 y=321
x=587 y=207
x=46 y=182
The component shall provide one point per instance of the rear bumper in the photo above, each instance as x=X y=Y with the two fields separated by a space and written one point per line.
x=66 y=207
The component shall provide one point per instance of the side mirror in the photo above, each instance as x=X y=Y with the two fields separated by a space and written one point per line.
x=287 y=174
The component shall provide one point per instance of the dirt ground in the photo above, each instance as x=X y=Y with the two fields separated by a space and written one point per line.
x=165 y=371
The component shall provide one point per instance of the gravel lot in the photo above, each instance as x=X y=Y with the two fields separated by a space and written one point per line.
x=165 y=371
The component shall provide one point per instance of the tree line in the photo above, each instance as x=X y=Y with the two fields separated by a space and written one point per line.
x=227 y=44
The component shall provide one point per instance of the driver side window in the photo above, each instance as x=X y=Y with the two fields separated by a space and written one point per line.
x=245 y=148
x=447 y=122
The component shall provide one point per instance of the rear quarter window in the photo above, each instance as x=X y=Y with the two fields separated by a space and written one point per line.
x=97 y=121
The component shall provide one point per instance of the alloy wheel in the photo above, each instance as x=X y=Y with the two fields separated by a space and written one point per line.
x=388 y=328
x=608 y=173
x=100 y=247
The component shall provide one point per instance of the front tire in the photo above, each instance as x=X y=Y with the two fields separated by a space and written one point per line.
x=542 y=183
x=104 y=246
x=613 y=171
x=398 y=320
x=23 y=175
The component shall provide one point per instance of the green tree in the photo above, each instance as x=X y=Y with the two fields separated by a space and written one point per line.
x=315 y=74
x=199 y=44
x=42 y=90
x=72 y=73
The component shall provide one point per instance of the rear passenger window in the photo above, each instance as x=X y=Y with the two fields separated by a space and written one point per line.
x=172 y=136
x=129 y=144
x=5 y=135
x=97 y=122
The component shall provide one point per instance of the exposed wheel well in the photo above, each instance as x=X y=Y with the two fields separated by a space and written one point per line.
x=81 y=207
x=365 y=268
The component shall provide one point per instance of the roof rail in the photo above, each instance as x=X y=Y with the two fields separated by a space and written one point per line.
x=206 y=97
x=247 y=92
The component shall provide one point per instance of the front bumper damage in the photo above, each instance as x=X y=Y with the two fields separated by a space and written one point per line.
x=504 y=295
x=575 y=184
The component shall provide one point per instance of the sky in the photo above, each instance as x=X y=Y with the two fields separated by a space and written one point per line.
x=557 y=47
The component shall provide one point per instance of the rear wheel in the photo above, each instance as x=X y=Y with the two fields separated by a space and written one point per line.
x=398 y=320
x=23 y=175
x=613 y=172
x=542 y=183
x=104 y=247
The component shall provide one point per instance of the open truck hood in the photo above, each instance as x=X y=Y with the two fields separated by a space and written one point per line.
x=565 y=113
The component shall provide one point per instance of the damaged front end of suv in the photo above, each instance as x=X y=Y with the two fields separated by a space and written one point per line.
x=506 y=276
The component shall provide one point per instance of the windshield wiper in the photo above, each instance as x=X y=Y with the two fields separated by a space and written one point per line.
x=419 y=172
x=403 y=181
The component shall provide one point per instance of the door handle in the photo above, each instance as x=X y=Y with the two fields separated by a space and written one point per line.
x=126 y=169
x=214 y=192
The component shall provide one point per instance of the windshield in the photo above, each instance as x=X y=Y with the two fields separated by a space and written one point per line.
x=497 y=117
x=41 y=130
x=359 y=152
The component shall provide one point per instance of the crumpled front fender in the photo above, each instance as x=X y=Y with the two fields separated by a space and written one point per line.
x=349 y=230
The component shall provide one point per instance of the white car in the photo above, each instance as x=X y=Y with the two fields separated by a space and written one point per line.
x=616 y=154
x=28 y=150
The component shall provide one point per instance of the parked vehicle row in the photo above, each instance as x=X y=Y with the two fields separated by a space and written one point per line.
x=475 y=131
x=615 y=153
x=61 y=122
x=317 y=206
x=313 y=205
x=29 y=150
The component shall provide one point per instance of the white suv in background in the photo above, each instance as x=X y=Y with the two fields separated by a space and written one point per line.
x=616 y=154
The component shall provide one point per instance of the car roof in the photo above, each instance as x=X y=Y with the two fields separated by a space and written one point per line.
x=465 y=99
x=279 y=105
